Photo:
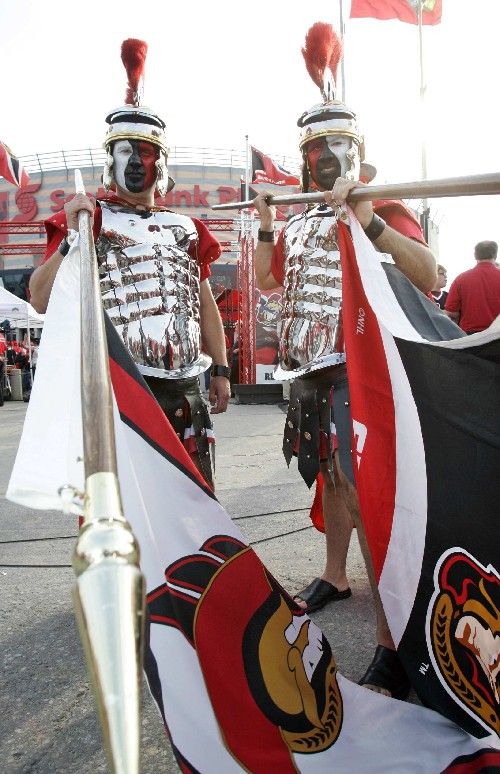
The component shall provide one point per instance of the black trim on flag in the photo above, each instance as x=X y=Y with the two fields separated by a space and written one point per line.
x=127 y=421
x=458 y=403
x=425 y=316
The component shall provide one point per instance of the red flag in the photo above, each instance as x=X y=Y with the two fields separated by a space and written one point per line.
x=11 y=168
x=265 y=170
x=404 y=10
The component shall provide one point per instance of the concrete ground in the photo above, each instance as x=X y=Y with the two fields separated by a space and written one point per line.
x=48 y=722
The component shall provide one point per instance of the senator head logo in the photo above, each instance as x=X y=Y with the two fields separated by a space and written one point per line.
x=253 y=642
x=464 y=632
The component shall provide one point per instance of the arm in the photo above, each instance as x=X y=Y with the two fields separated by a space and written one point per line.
x=453 y=303
x=264 y=250
x=214 y=344
x=43 y=277
x=41 y=282
x=413 y=259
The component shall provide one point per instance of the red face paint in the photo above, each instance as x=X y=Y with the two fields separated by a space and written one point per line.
x=314 y=150
x=149 y=155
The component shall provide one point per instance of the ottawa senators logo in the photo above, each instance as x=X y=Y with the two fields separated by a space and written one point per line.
x=268 y=668
x=464 y=632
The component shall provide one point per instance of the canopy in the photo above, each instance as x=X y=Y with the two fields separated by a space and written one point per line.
x=19 y=313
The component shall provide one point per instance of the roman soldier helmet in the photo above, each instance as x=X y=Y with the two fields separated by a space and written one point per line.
x=134 y=121
x=322 y=53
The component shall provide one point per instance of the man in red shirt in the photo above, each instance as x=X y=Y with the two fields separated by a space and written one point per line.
x=474 y=297
x=154 y=268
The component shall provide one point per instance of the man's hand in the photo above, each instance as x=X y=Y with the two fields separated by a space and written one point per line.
x=338 y=196
x=74 y=206
x=218 y=394
x=267 y=214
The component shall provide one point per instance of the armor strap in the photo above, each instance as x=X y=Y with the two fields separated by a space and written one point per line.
x=309 y=413
x=172 y=395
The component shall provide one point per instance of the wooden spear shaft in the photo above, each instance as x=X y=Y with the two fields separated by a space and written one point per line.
x=473 y=185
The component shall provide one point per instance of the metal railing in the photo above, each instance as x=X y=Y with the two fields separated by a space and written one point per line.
x=178 y=156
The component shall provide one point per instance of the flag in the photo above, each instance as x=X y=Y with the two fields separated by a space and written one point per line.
x=404 y=10
x=243 y=679
x=11 y=168
x=427 y=454
x=265 y=170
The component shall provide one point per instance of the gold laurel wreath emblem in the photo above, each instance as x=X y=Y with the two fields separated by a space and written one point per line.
x=320 y=738
x=442 y=617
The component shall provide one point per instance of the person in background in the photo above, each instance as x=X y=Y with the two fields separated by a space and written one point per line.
x=474 y=296
x=438 y=294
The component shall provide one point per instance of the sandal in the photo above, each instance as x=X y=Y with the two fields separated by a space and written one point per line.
x=319 y=593
x=386 y=672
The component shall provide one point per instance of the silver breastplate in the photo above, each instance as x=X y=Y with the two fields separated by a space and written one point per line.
x=150 y=287
x=308 y=325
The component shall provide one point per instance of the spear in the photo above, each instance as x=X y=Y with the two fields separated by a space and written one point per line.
x=109 y=591
x=473 y=185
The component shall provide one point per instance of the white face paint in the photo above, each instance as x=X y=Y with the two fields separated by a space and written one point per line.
x=122 y=151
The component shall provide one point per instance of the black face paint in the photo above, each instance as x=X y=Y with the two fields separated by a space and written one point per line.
x=327 y=169
x=135 y=173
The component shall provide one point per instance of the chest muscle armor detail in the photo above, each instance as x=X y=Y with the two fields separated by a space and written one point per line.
x=309 y=322
x=150 y=288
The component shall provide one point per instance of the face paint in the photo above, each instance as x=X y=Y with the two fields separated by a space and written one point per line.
x=134 y=165
x=327 y=159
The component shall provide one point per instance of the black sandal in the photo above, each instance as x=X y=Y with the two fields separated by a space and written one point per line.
x=386 y=671
x=319 y=593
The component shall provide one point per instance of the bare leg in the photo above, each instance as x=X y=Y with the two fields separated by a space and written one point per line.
x=383 y=634
x=338 y=526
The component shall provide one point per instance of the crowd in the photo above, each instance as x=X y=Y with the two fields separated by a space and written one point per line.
x=16 y=355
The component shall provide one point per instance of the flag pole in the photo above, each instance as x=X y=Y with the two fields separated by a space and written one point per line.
x=425 y=203
x=342 y=34
x=471 y=185
x=247 y=168
x=109 y=590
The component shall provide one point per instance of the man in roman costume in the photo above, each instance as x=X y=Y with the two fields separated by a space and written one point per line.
x=154 y=268
x=305 y=260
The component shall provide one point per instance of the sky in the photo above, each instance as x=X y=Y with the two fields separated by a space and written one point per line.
x=218 y=72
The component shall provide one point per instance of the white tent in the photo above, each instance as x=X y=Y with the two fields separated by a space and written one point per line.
x=19 y=313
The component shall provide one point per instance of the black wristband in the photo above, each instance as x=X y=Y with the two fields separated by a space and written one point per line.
x=374 y=228
x=265 y=236
x=64 y=246
x=220 y=370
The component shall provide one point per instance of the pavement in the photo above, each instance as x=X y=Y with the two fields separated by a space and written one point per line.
x=48 y=722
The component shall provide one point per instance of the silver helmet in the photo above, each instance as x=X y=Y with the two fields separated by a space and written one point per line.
x=322 y=53
x=134 y=121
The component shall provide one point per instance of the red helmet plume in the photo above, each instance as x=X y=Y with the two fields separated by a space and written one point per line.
x=134 y=59
x=322 y=52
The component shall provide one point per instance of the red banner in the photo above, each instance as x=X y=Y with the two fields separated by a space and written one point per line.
x=404 y=10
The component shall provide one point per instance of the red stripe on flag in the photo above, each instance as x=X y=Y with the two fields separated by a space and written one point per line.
x=11 y=168
x=138 y=405
x=372 y=408
x=487 y=760
x=230 y=605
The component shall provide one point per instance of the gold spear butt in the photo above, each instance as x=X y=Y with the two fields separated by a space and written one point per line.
x=109 y=606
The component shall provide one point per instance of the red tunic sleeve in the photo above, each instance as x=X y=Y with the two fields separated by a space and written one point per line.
x=56 y=228
x=399 y=217
x=208 y=251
